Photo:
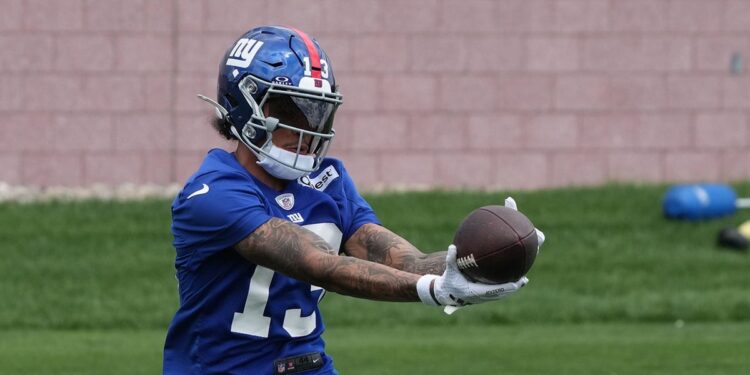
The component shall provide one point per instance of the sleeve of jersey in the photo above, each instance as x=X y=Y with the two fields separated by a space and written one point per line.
x=358 y=210
x=219 y=219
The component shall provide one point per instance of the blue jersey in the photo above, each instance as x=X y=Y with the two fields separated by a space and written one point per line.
x=236 y=317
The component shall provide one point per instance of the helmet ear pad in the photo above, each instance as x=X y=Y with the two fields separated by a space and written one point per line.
x=240 y=115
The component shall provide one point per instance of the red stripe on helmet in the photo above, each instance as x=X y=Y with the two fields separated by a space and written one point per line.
x=314 y=57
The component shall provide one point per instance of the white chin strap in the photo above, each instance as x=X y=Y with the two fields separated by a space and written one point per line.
x=280 y=161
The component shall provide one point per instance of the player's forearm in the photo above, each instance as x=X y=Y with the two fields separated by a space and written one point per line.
x=363 y=279
x=299 y=253
x=433 y=263
x=378 y=244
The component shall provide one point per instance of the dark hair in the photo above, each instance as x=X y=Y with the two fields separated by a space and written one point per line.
x=222 y=126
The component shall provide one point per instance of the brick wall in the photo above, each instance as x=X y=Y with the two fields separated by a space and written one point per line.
x=470 y=93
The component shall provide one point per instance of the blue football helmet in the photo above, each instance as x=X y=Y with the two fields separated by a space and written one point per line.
x=267 y=63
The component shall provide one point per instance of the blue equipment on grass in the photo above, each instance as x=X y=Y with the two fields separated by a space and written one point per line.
x=701 y=201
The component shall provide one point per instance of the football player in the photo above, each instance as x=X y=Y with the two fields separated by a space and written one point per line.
x=258 y=232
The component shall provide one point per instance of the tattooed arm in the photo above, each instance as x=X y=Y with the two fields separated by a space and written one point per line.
x=303 y=255
x=378 y=244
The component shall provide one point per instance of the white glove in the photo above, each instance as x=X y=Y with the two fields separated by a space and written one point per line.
x=453 y=290
x=511 y=203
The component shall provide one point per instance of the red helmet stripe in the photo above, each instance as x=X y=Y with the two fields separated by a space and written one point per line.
x=314 y=57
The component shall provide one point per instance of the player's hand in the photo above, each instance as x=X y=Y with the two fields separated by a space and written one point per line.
x=511 y=203
x=454 y=290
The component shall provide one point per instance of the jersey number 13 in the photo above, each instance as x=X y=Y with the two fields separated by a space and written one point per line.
x=252 y=321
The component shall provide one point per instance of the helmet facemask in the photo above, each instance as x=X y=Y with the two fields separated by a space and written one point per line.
x=316 y=107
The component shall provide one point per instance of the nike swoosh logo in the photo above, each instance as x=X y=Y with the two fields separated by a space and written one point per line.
x=202 y=191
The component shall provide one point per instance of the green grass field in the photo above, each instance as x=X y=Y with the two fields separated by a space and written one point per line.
x=611 y=348
x=88 y=288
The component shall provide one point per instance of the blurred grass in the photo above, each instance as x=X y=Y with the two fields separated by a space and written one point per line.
x=609 y=257
x=614 y=348
x=90 y=264
x=81 y=352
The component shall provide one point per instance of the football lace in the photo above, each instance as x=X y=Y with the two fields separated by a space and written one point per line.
x=466 y=262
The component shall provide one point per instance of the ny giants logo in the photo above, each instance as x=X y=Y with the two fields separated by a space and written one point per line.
x=243 y=52
x=296 y=218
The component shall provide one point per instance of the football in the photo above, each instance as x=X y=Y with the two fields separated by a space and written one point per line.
x=495 y=244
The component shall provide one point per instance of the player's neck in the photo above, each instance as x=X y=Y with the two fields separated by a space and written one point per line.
x=248 y=160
